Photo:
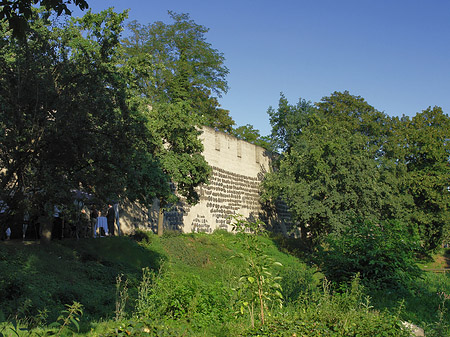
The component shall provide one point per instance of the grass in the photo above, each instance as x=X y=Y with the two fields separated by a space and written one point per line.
x=190 y=285
x=437 y=262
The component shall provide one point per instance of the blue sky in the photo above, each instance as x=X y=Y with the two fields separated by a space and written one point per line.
x=393 y=53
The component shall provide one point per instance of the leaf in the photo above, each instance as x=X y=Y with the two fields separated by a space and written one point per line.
x=74 y=321
x=251 y=279
x=13 y=330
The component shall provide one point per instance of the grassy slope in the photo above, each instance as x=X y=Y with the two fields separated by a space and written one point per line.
x=35 y=277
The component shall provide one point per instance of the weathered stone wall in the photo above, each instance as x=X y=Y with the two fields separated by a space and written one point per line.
x=238 y=167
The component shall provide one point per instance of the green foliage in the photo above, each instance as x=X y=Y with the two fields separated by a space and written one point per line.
x=192 y=293
x=163 y=297
x=121 y=297
x=440 y=328
x=65 y=97
x=70 y=316
x=251 y=135
x=179 y=149
x=342 y=158
x=333 y=314
x=41 y=279
x=258 y=285
x=18 y=12
x=179 y=70
x=288 y=122
x=187 y=68
x=381 y=253
x=421 y=144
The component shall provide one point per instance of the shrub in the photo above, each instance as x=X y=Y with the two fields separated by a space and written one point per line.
x=382 y=253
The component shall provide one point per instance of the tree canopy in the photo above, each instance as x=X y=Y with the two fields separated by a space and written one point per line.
x=18 y=12
x=68 y=117
x=341 y=158
x=185 y=67
x=252 y=135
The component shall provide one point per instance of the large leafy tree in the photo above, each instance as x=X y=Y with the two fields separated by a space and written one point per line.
x=185 y=66
x=421 y=144
x=68 y=117
x=183 y=72
x=250 y=134
x=328 y=170
x=342 y=158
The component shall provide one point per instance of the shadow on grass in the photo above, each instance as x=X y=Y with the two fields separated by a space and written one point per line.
x=36 y=278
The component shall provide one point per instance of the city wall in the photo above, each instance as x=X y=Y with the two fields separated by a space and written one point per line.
x=238 y=168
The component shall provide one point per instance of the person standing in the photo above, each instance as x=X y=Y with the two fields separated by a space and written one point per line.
x=57 y=231
x=116 y=212
x=94 y=216
x=4 y=218
x=26 y=222
x=110 y=218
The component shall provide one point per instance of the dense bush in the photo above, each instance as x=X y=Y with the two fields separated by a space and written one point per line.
x=382 y=253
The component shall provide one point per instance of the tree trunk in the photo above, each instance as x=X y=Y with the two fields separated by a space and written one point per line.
x=46 y=229
x=160 y=219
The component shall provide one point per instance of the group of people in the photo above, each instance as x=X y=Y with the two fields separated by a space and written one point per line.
x=78 y=220
x=105 y=225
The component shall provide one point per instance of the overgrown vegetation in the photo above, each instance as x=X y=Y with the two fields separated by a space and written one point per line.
x=382 y=254
x=83 y=111
x=193 y=284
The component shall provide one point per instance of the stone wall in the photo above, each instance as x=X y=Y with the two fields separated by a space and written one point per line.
x=238 y=167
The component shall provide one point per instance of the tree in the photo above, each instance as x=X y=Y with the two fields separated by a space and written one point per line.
x=383 y=254
x=183 y=70
x=68 y=117
x=251 y=135
x=328 y=172
x=18 y=12
x=341 y=157
x=184 y=66
x=288 y=121
x=421 y=144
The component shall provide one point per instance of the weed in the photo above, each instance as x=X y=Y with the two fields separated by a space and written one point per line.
x=258 y=285
x=440 y=328
x=70 y=316
x=121 y=297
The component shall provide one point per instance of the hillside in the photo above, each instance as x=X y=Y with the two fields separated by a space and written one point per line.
x=192 y=284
